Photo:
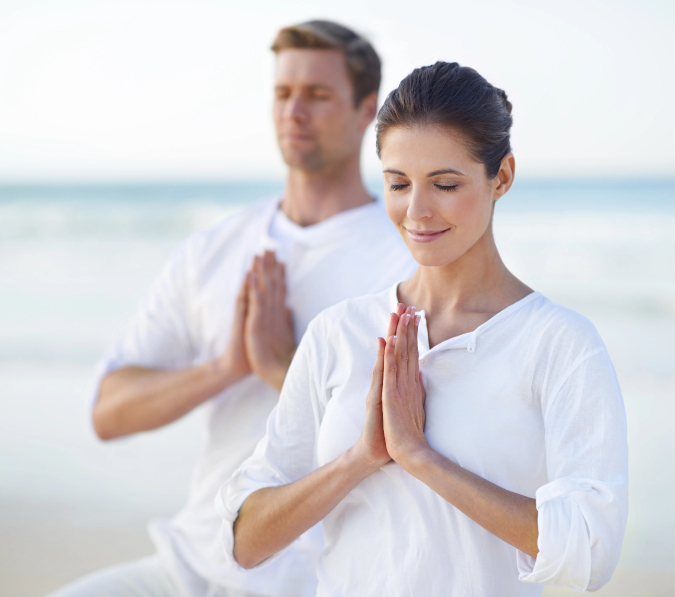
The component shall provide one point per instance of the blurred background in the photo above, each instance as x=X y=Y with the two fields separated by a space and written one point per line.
x=124 y=126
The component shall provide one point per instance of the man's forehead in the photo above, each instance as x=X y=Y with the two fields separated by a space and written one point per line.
x=311 y=67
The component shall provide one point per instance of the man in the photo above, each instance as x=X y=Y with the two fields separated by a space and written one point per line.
x=221 y=323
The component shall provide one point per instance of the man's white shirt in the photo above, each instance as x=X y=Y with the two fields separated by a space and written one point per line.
x=186 y=320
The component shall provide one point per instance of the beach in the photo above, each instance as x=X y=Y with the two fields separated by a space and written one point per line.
x=74 y=261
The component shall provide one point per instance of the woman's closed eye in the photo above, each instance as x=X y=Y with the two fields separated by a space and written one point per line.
x=446 y=188
x=397 y=187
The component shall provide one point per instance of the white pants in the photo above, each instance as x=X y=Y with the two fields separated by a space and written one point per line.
x=146 y=577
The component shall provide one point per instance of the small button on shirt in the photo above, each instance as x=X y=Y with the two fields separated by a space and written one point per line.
x=529 y=401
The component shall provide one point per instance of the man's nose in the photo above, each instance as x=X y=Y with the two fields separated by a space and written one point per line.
x=296 y=109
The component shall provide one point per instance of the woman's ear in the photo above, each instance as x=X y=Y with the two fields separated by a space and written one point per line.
x=505 y=176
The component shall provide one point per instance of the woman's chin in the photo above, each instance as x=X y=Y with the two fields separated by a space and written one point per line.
x=431 y=258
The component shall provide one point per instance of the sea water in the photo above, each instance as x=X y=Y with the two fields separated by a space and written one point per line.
x=76 y=259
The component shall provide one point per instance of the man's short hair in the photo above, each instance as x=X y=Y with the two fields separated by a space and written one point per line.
x=363 y=63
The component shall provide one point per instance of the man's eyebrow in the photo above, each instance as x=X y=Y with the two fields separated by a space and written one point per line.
x=444 y=171
x=315 y=86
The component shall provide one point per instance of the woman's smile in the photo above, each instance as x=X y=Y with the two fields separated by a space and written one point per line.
x=425 y=236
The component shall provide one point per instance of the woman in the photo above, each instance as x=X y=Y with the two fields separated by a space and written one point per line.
x=484 y=453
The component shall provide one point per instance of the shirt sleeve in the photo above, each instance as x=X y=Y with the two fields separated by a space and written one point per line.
x=288 y=451
x=582 y=510
x=158 y=335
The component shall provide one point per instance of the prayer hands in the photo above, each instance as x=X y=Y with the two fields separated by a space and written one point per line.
x=395 y=417
x=371 y=447
x=262 y=339
x=403 y=393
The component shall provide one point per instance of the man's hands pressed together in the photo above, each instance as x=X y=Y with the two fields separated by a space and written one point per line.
x=134 y=399
x=262 y=339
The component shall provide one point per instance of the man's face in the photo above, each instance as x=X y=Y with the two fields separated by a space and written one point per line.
x=316 y=121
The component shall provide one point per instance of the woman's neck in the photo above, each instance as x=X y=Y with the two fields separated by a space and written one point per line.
x=476 y=283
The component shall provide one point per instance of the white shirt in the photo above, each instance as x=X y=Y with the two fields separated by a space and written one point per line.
x=186 y=320
x=529 y=401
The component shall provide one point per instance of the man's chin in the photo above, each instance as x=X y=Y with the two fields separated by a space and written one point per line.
x=303 y=160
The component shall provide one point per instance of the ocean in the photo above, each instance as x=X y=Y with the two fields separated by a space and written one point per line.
x=76 y=259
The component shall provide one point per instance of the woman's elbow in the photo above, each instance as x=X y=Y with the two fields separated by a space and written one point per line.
x=244 y=558
x=243 y=554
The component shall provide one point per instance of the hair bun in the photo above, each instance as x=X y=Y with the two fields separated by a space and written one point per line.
x=505 y=100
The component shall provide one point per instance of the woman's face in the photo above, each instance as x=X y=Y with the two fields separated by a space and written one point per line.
x=436 y=193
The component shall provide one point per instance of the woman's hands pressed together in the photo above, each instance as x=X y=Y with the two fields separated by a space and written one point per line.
x=394 y=425
x=403 y=393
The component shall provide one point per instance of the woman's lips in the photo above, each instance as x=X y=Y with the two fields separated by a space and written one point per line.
x=425 y=236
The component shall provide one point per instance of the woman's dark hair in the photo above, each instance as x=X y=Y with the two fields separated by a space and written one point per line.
x=457 y=97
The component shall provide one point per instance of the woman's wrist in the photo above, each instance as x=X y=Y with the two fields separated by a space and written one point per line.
x=413 y=457
x=356 y=465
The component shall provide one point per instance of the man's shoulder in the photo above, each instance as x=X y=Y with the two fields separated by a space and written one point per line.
x=240 y=225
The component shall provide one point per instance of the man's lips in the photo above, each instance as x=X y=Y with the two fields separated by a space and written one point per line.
x=297 y=137
x=425 y=236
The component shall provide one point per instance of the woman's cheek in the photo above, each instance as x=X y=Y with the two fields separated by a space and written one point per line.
x=395 y=208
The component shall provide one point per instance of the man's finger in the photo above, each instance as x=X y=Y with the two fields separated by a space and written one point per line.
x=258 y=277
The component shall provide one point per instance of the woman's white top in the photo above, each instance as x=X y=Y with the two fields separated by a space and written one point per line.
x=529 y=401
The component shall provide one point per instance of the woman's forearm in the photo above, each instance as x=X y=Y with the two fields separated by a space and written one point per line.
x=510 y=516
x=273 y=517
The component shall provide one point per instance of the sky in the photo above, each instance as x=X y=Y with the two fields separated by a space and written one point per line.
x=181 y=90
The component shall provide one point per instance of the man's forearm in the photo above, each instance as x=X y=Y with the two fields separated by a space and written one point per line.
x=136 y=399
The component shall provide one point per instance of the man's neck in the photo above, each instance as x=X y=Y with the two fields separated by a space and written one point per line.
x=311 y=197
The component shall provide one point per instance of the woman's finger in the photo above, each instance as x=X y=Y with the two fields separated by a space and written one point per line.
x=401 y=351
x=417 y=351
x=393 y=324
x=378 y=369
x=389 y=376
x=412 y=346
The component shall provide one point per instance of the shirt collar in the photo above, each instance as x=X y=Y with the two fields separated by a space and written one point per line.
x=330 y=230
x=466 y=341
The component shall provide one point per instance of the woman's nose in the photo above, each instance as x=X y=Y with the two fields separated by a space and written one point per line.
x=419 y=206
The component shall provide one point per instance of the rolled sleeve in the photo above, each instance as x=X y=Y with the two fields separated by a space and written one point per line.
x=582 y=510
x=581 y=523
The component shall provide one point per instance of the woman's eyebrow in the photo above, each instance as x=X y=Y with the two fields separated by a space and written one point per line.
x=444 y=171
x=393 y=172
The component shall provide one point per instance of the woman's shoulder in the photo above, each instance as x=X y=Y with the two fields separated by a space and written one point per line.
x=558 y=328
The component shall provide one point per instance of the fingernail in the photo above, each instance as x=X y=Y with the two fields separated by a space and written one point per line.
x=393 y=340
